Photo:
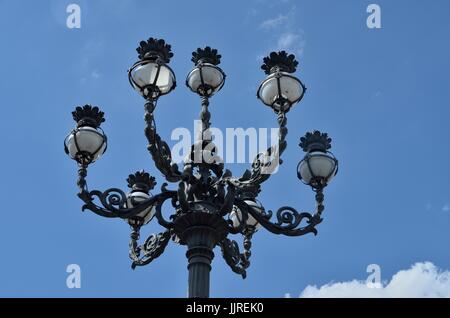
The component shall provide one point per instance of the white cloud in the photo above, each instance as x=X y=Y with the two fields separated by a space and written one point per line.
x=292 y=42
x=420 y=281
x=446 y=208
x=285 y=33
x=275 y=22
x=95 y=74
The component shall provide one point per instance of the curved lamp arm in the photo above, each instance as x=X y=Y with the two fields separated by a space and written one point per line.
x=152 y=248
x=288 y=221
x=114 y=201
x=238 y=262
x=158 y=148
x=265 y=163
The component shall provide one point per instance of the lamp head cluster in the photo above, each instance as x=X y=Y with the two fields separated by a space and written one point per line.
x=209 y=202
x=152 y=77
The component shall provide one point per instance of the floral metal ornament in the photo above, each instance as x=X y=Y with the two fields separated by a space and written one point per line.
x=206 y=55
x=315 y=141
x=88 y=115
x=153 y=49
x=141 y=180
x=279 y=60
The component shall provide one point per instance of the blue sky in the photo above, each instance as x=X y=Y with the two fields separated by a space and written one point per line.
x=381 y=94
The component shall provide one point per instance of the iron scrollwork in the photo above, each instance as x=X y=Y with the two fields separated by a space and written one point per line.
x=158 y=148
x=238 y=262
x=265 y=163
x=152 y=248
x=114 y=201
x=206 y=193
x=289 y=221
x=219 y=189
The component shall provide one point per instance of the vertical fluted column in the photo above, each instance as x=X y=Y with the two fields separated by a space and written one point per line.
x=200 y=241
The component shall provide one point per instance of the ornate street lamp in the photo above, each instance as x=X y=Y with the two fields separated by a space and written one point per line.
x=208 y=204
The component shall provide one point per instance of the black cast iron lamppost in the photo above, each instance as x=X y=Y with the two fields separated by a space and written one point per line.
x=208 y=203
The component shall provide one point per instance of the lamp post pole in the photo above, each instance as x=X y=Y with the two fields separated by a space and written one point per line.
x=208 y=204
x=201 y=236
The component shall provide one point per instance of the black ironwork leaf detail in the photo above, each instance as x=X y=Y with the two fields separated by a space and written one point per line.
x=159 y=149
x=154 y=48
x=152 y=248
x=315 y=140
x=282 y=60
x=233 y=257
x=88 y=115
x=141 y=179
x=207 y=55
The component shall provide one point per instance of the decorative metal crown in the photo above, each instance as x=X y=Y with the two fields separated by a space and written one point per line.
x=286 y=63
x=88 y=116
x=206 y=55
x=142 y=181
x=153 y=49
x=315 y=141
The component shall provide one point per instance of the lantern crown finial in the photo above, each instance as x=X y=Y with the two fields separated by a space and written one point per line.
x=141 y=180
x=280 y=60
x=88 y=115
x=315 y=141
x=154 y=49
x=207 y=55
